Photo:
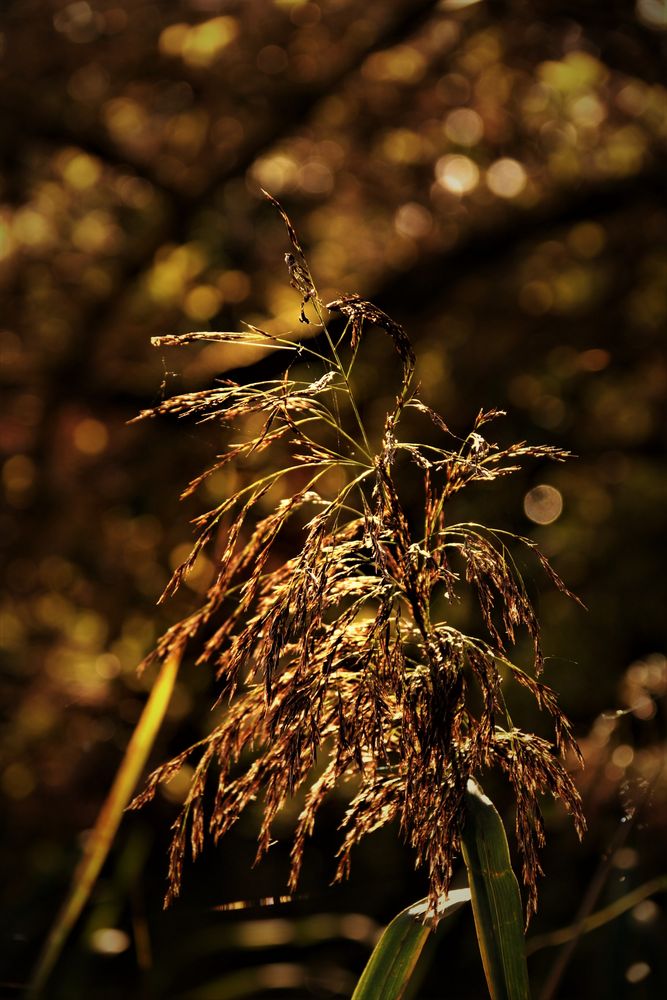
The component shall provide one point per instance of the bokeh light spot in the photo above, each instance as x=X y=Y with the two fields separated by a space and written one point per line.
x=637 y=972
x=18 y=473
x=644 y=708
x=82 y=171
x=623 y=755
x=402 y=146
x=107 y=666
x=588 y=111
x=587 y=239
x=464 y=127
x=632 y=98
x=626 y=858
x=413 y=220
x=506 y=178
x=646 y=912
x=125 y=118
x=358 y=927
x=95 y=232
x=172 y=39
x=202 y=302
x=653 y=13
x=31 y=228
x=78 y=22
x=173 y=267
x=274 y=171
x=176 y=788
x=280 y=976
x=204 y=43
x=402 y=64
x=109 y=941
x=315 y=177
x=536 y=298
x=594 y=360
x=543 y=504
x=577 y=71
x=235 y=285
x=457 y=174
x=265 y=933
x=12 y=630
x=17 y=781
x=90 y=436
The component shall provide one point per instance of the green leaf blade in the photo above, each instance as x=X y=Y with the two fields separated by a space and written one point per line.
x=391 y=969
x=496 y=900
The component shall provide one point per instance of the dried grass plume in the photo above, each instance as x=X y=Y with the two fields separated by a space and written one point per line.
x=335 y=661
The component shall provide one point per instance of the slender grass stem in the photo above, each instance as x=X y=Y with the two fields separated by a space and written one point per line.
x=344 y=373
x=612 y=911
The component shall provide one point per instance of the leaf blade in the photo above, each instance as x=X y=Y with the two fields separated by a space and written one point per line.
x=108 y=820
x=390 y=970
x=496 y=900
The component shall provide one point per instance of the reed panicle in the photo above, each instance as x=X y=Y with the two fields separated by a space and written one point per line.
x=335 y=660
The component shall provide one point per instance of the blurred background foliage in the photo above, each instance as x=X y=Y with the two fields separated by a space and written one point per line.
x=490 y=173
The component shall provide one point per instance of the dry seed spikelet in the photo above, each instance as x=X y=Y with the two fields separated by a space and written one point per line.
x=332 y=660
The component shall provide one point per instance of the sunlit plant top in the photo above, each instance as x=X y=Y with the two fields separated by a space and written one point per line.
x=335 y=661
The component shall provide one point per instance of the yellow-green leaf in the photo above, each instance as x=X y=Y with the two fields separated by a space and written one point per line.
x=391 y=972
x=100 y=839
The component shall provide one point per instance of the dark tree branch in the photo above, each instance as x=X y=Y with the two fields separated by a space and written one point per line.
x=484 y=246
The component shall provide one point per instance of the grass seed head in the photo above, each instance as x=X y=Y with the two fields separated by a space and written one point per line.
x=331 y=659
